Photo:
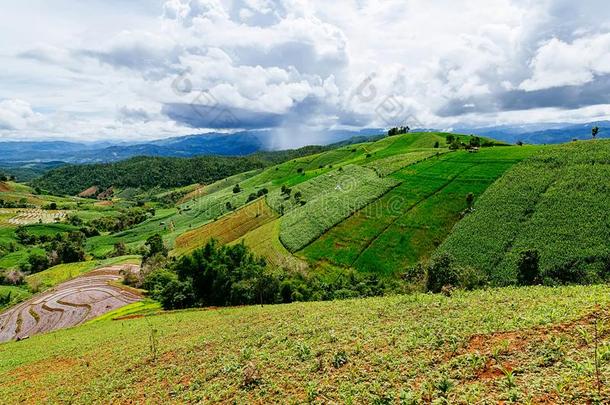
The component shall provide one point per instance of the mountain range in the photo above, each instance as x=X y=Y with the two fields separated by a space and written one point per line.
x=42 y=153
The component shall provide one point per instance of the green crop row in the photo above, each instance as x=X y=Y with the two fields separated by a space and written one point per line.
x=556 y=204
x=391 y=164
x=328 y=200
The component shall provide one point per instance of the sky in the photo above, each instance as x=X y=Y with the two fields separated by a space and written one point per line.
x=132 y=70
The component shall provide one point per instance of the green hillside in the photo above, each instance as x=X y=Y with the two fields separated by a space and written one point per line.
x=411 y=220
x=470 y=348
x=555 y=206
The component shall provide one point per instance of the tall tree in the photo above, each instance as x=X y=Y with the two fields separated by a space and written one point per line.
x=594 y=132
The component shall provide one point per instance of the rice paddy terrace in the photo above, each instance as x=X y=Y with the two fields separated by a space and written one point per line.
x=68 y=304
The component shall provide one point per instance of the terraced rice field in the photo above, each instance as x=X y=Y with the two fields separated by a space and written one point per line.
x=69 y=304
x=227 y=228
x=32 y=216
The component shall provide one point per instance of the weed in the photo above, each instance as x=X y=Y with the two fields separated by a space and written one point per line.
x=340 y=359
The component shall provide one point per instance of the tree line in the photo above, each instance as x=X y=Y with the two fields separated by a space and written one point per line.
x=165 y=172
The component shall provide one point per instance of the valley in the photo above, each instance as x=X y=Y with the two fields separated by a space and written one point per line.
x=372 y=227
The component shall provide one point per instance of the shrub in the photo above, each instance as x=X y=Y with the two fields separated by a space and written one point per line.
x=441 y=272
x=528 y=268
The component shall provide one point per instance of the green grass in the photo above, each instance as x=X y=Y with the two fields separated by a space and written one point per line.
x=137 y=309
x=556 y=203
x=50 y=229
x=420 y=347
x=17 y=294
x=64 y=272
x=16 y=259
x=411 y=220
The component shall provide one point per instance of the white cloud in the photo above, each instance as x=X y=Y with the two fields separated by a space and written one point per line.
x=17 y=114
x=113 y=71
x=558 y=63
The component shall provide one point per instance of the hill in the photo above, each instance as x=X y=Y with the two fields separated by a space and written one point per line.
x=518 y=345
x=312 y=193
x=553 y=207
x=148 y=172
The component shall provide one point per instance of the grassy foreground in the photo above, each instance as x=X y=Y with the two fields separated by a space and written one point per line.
x=513 y=344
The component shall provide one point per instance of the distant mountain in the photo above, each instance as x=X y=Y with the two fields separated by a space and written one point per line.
x=238 y=144
x=540 y=133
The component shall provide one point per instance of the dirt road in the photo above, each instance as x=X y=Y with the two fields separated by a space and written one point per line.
x=68 y=304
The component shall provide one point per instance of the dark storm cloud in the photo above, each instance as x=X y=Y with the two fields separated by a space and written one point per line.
x=566 y=97
x=217 y=116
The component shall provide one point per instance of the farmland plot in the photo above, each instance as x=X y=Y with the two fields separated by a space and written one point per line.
x=69 y=304
x=556 y=204
x=264 y=241
x=411 y=220
x=227 y=228
x=329 y=199
x=391 y=164
x=25 y=216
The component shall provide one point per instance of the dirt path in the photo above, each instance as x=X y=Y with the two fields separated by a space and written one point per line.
x=68 y=304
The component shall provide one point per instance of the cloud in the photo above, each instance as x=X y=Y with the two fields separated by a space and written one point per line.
x=559 y=63
x=302 y=67
x=17 y=115
x=218 y=116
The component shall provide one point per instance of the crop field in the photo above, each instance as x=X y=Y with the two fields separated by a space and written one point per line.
x=336 y=196
x=411 y=220
x=12 y=295
x=228 y=228
x=264 y=241
x=24 y=216
x=137 y=309
x=556 y=204
x=521 y=345
x=210 y=202
x=64 y=272
x=391 y=164
x=15 y=259
x=69 y=304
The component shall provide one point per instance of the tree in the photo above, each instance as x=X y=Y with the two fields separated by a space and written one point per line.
x=437 y=145
x=455 y=145
x=38 y=262
x=236 y=189
x=529 y=272
x=155 y=246
x=440 y=273
x=120 y=249
x=469 y=199
x=475 y=142
x=594 y=132
x=450 y=139
x=399 y=130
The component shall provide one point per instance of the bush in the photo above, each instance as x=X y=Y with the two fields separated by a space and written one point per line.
x=528 y=268
x=231 y=275
x=441 y=272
